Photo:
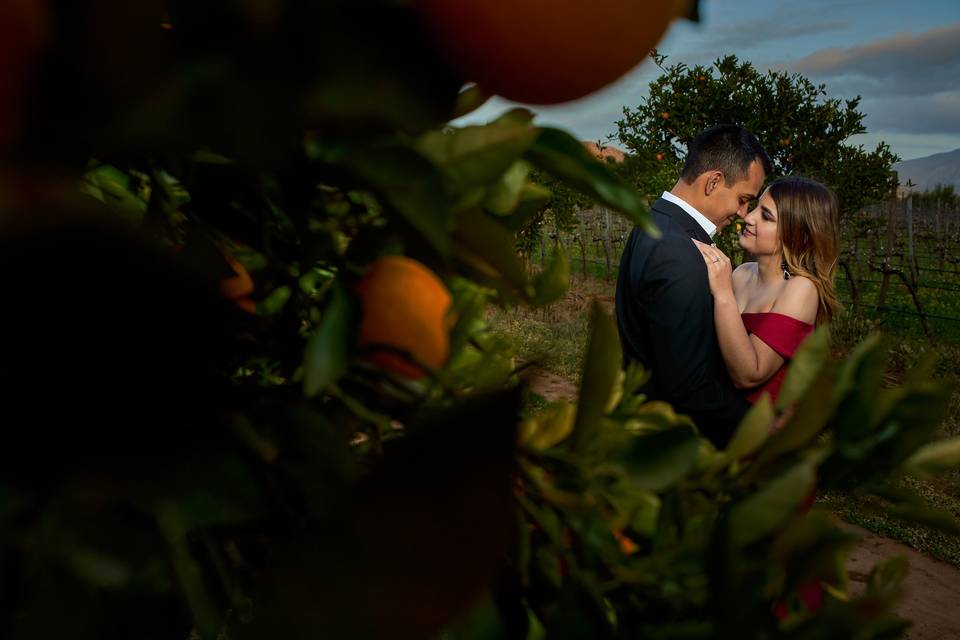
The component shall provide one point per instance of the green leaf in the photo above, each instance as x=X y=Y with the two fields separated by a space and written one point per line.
x=887 y=576
x=113 y=187
x=601 y=368
x=489 y=246
x=327 y=355
x=562 y=155
x=478 y=155
x=646 y=514
x=913 y=414
x=862 y=370
x=469 y=100
x=815 y=534
x=412 y=187
x=536 y=630
x=804 y=367
x=753 y=430
x=275 y=301
x=935 y=458
x=656 y=415
x=549 y=427
x=551 y=283
x=764 y=512
x=189 y=573
x=656 y=461
x=504 y=196
x=811 y=416
x=469 y=308
x=930 y=517
x=533 y=198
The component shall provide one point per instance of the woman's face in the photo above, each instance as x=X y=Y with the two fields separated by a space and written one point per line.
x=759 y=234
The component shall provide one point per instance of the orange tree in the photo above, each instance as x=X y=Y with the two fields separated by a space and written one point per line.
x=201 y=434
x=801 y=127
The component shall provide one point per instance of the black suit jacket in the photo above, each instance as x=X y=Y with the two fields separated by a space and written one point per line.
x=665 y=317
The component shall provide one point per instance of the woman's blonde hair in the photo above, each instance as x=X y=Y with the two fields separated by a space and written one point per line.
x=808 y=219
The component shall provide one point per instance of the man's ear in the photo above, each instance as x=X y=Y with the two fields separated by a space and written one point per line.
x=713 y=180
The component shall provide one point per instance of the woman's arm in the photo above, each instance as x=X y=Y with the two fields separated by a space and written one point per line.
x=749 y=360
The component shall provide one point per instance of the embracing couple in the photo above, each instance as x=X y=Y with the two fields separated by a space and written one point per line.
x=716 y=338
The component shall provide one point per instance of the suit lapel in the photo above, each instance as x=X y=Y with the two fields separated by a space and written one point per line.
x=682 y=218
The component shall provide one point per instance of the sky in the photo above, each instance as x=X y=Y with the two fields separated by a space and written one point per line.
x=902 y=57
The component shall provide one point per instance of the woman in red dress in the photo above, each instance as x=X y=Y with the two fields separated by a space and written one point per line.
x=763 y=310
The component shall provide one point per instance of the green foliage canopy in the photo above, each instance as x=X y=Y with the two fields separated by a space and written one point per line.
x=803 y=130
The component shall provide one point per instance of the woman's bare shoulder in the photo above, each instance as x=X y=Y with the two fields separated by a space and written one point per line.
x=798 y=299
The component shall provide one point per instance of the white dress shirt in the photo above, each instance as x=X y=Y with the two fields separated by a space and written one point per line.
x=701 y=219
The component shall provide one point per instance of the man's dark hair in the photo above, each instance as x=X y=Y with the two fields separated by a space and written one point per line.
x=725 y=147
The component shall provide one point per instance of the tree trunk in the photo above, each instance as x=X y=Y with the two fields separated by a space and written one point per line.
x=583 y=252
x=854 y=289
x=911 y=256
x=607 y=242
x=941 y=235
x=888 y=255
x=856 y=257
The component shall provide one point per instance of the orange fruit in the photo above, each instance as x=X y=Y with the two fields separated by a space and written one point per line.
x=543 y=52
x=405 y=308
x=627 y=546
x=238 y=286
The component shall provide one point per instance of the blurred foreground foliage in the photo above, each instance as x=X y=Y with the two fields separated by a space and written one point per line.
x=178 y=459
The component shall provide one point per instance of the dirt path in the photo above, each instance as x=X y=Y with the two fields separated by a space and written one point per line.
x=931 y=597
x=550 y=386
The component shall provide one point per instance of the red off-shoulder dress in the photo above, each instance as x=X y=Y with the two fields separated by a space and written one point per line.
x=781 y=333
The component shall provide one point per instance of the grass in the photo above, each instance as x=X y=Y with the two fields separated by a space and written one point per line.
x=555 y=338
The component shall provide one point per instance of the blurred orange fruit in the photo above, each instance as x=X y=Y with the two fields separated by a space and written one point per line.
x=239 y=286
x=627 y=546
x=405 y=308
x=542 y=52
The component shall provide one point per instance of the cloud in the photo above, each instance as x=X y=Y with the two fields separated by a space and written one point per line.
x=904 y=64
x=774 y=28
x=939 y=113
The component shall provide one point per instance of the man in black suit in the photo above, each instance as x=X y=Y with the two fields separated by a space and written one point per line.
x=663 y=301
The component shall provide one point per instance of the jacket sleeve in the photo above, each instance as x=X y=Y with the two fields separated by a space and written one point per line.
x=679 y=311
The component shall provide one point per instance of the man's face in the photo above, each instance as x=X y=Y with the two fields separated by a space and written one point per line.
x=731 y=202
